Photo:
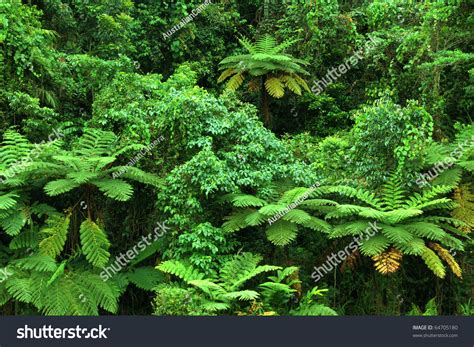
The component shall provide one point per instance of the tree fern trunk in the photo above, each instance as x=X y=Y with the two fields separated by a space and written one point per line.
x=265 y=8
x=265 y=105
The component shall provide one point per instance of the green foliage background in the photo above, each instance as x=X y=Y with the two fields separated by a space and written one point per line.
x=148 y=135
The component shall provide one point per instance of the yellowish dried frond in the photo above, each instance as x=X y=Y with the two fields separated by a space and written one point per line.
x=275 y=87
x=388 y=262
x=448 y=258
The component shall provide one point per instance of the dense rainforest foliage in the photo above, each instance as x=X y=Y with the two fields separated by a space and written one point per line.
x=251 y=157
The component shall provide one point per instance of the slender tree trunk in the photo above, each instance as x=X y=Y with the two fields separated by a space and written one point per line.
x=265 y=105
x=266 y=4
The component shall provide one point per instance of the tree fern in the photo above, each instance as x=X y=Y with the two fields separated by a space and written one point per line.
x=265 y=61
x=278 y=216
x=76 y=293
x=242 y=268
x=405 y=224
x=225 y=289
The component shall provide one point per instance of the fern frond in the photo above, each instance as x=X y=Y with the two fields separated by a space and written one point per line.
x=358 y=193
x=427 y=230
x=95 y=142
x=397 y=216
x=146 y=277
x=349 y=228
x=138 y=175
x=21 y=289
x=375 y=245
x=244 y=295
x=114 y=188
x=81 y=177
x=272 y=209
x=8 y=200
x=293 y=195
x=104 y=293
x=393 y=195
x=14 y=222
x=254 y=219
x=448 y=258
x=297 y=216
x=94 y=243
x=291 y=84
x=397 y=233
x=244 y=200
x=415 y=246
x=418 y=199
x=26 y=239
x=60 y=186
x=56 y=234
x=265 y=44
x=465 y=210
x=225 y=74
x=388 y=262
x=317 y=224
x=347 y=210
x=241 y=268
x=185 y=272
x=236 y=221
x=433 y=262
x=212 y=306
x=314 y=204
x=37 y=263
x=275 y=87
x=235 y=81
x=247 y=44
x=315 y=310
x=282 y=233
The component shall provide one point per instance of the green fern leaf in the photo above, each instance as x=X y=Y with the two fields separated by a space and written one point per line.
x=56 y=232
x=37 y=263
x=94 y=243
x=297 y=216
x=397 y=233
x=433 y=262
x=282 y=233
x=114 y=188
x=146 y=278
x=375 y=245
x=185 y=272
x=60 y=186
